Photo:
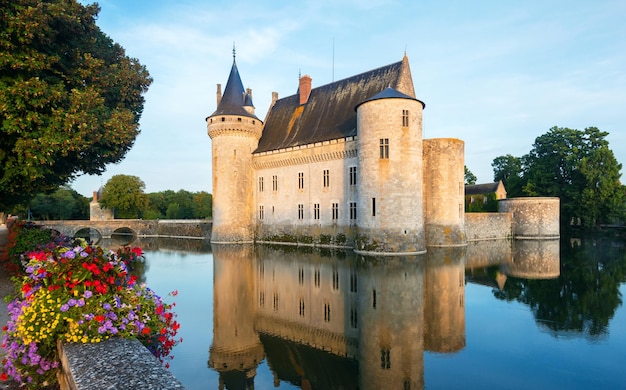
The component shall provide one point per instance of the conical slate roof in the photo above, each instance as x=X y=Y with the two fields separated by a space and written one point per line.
x=390 y=93
x=234 y=98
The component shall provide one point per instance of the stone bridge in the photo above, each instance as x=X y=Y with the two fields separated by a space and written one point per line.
x=192 y=228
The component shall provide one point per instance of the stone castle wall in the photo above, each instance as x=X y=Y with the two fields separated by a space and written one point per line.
x=324 y=169
x=488 y=226
x=533 y=217
x=444 y=191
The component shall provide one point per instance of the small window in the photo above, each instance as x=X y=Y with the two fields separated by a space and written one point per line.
x=335 y=207
x=261 y=299
x=405 y=118
x=373 y=207
x=301 y=276
x=326 y=178
x=352 y=210
x=261 y=212
x=352 y=176
x=274 y=183
x=301 y=310
x=300 y=211
x=238 y=119
x=276 y=301
x=316 y=211
x=374 y=299
x=326 y=312
x=261 y=186
x=385 y=358
x=335 y=279
x=300 y=180
x=316 y=277
x=384 y=148
x=353 y=318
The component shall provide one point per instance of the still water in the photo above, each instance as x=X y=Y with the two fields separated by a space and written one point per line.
x=527 y=314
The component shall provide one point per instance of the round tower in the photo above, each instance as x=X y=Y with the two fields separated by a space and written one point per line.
x=235 y=132
x=389 y=211
x=444 y=192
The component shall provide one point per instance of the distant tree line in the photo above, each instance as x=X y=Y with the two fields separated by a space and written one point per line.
x=125 y=195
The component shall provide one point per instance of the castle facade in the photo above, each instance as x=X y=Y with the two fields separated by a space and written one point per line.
x=343 y=164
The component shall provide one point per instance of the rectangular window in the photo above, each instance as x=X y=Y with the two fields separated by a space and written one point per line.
x=353 y=319
x=335 y=279
x=326 y=178
x=316 y=277
x=300 y=180
x=275 y=301
x=353 y=281
x=261 y=299
x=384 y=148
x=326 y=312
x=274 y=183
x=373 y=207
x=373 y=299
x=405 y=118
x=385 y=358
x=261 y=212
x=335 y=211
x=301 y=276
x=352 y=210
x=352 y=176
x=300 y=211
x=261 y=184
x=301 y=311
x=316 y=211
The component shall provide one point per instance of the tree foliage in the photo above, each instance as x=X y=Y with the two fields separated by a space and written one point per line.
x=470 y=178
x=125 y=195
x=70 y=98
x=508 y=169
x=576 y=166
x=63 y=204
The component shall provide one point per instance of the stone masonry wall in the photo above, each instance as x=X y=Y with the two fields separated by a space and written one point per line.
x=488 y=226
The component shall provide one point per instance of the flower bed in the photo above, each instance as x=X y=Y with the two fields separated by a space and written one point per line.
x=78 y=292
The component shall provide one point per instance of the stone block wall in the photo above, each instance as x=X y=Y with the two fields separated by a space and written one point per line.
x=488 y=226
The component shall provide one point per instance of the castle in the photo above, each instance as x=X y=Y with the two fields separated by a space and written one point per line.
x=343 y=164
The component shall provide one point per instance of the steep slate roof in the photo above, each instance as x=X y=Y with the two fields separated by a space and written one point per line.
x=330 y=111
x=234 y=97
x=481 y=189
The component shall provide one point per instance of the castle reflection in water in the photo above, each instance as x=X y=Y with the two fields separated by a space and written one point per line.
x=328 y=319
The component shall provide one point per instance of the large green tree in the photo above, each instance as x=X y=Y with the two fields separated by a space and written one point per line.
x=508 y=169
x=62 y=204
x=125 y=195
x=70 y=98
x=578 y=167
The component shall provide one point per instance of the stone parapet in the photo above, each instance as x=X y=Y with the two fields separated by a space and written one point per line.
x=112 y=364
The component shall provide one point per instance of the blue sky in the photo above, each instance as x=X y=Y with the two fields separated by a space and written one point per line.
x=496 y=74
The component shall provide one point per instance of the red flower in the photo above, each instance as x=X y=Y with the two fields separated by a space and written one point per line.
x=26 y=288
x=145 y=330
x=137 y=251
x=4 y=376
x=99 y=318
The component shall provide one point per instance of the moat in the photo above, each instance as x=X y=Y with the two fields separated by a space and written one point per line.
x=535 y=314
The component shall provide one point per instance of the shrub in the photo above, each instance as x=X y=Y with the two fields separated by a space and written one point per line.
x=74 y=291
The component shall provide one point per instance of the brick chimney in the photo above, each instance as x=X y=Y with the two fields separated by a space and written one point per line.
x=305 y=88
x=219 y=94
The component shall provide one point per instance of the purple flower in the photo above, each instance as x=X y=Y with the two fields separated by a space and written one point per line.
x=87 y=294
x=80 y=302
x=69 y=255
x=106 y=306
x=71 y=302
x=65 y=307
x=83 y=254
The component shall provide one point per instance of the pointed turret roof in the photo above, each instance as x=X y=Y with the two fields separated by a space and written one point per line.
x=235 y=97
